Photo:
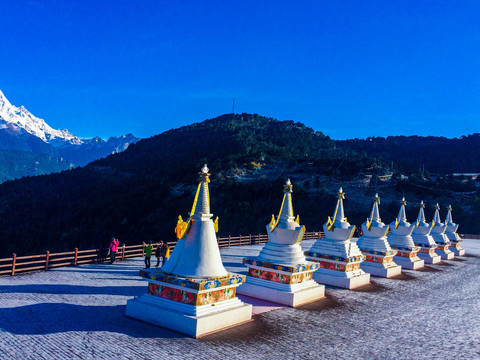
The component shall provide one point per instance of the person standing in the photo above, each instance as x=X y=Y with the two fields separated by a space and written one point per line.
x=166 y=253
x=113 y=249
x=158 y=253
x=148 y=249
x=161 y=252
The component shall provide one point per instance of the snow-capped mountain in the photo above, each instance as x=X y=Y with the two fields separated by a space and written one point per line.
x=95 y=148
x=17 y=118
x=21 y=131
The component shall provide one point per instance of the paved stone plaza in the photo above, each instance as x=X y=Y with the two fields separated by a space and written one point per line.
x=78 y=313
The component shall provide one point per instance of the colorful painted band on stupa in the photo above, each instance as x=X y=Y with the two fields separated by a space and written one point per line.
x=456 y=245
x=293 y=278
x=338 y=266
x=379 y=259
x=351 y=259
x=405 y=252
x=285 y=268
x=188 y=297
x=427 y=250
x=442 y=247
x=195 y=284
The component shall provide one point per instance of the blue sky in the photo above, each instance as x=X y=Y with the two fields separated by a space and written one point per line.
x=347 y=68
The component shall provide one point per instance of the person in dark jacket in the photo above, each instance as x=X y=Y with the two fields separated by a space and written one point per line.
x=161 y=252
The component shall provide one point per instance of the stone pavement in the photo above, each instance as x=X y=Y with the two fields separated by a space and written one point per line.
x=78 y=313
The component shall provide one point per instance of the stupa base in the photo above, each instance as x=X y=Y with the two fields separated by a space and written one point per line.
x=194 y=321
x=458 y=252
x=341 y=279
x=457 y=249
x=379 y=270
x=446 y=255
x=290 y=295
x=409 y=263
x=444 y=252
x=430 y=258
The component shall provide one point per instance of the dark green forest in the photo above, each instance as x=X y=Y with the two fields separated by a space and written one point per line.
x=435 y=154
x=137 y=195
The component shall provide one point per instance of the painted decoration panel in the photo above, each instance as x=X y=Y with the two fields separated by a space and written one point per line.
x=195 y=284
x=292 y=269
x=191 y=298
x=280 y=278
x=378 y=259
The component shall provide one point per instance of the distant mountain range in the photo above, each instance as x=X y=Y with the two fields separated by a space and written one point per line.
x=137 y=194
x=31 y=139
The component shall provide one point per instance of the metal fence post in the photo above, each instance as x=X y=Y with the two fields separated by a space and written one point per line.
x=47 y=258
x=14 y=261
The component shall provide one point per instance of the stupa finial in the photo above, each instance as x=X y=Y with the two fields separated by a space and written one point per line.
x=339 y=214
x=449 y=219
x=401 y=214
x=375 y=216
x=436 y=217
x=201 y=203
x=288 y=187
x=286 y=209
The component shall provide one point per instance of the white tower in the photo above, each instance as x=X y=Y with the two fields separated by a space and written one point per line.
x=374 y=245
x=400 y=239
x=281 y=273
x=338 y=256
x=422 y=238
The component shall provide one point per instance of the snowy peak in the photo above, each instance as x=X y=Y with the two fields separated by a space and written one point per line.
x=20 y=118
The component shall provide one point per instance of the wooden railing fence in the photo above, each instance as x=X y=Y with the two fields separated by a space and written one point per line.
x=22 y=264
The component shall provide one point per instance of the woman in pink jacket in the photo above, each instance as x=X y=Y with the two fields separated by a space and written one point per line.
x=113 y=249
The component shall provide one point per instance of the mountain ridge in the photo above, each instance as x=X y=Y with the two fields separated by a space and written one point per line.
x=22 y=132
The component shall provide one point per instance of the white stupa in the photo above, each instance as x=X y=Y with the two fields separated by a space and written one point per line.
x=193 y=293
x=438 y=234
x=422 y=238
x=400 y=239
x=281 y=273
x=374 y=245
x=451 y=234
x=338 y=256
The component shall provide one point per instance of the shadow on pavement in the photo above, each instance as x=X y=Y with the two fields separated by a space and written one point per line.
x=49 y=318
x=73 y=289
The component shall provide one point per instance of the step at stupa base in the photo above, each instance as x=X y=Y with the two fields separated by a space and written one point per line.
x=444 y=252
x=458 y=252
x=292 y=296
x=195 y=321
x=408 y=258
x=340 y=280
x=409 y=263
x=432 y=258
x=457 y=249
x=380 y=270
x=446 y=255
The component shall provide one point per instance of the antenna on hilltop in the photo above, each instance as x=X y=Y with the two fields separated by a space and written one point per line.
x=233 y=107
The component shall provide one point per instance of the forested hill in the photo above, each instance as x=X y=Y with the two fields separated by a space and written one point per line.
x=138 y=194
x=436 y=154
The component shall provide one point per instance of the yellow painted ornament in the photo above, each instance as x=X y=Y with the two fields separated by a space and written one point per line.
x=369 y=224
x=272 y=222
x=215 y=224
x=397 y=223
x=181 y=227
x=330 y=224
x=297 y=219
